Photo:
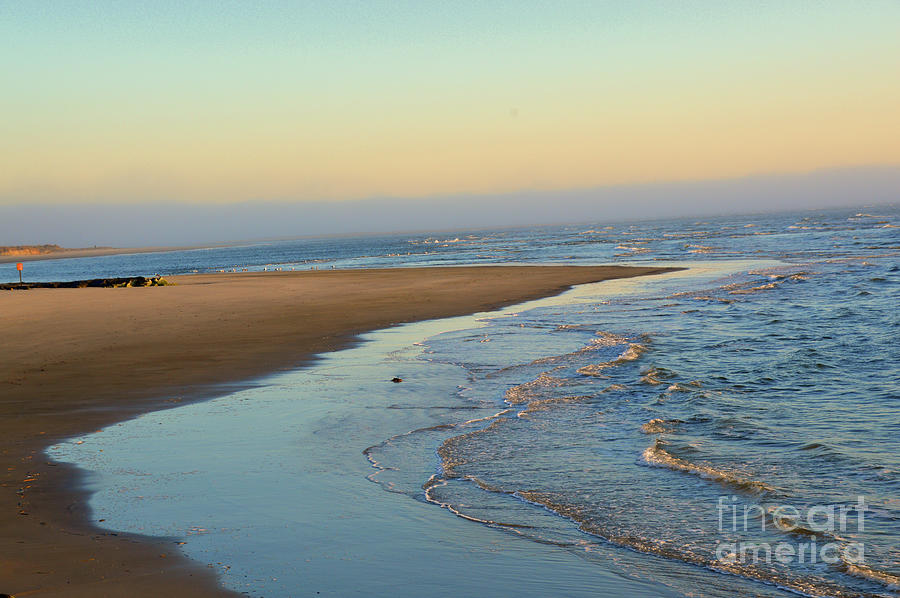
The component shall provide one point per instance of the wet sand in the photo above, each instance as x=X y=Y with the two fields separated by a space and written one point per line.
x=75 y=360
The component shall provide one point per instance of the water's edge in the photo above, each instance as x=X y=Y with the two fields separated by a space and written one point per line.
x=76 y=485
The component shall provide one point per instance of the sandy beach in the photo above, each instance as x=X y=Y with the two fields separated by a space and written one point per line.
x=75 y=360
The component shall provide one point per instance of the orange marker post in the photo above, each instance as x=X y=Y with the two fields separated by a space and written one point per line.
x=19 y=267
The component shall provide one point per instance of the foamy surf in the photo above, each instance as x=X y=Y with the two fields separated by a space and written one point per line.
x=660 y=426
x=631 y=353
x=657 y=456
x=528 y=391
x=890 y=581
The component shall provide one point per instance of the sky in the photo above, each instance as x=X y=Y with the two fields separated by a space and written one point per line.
x=217 y=103
x=166 y=223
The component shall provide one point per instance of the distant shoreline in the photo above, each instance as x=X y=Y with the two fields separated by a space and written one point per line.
x=92 y=252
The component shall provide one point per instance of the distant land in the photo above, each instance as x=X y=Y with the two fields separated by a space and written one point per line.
x=26 y=253
x=21 y=250
x=10 y=253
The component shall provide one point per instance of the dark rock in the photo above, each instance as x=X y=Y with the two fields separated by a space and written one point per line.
x=132 y=281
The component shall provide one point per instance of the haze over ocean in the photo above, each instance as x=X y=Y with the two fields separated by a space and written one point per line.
x=189 y=224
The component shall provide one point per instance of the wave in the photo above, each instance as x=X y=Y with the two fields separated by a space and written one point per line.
x=631 y=353
x=434 y=241
x=452 y=458
x=691 y=248
x=756 y=289
x=546 y=404
x=525 y=392
x=657 y=456
x=435 y=481
x=685 y=554
x=602 y=340
x=660 y=426
x=633 y=249
x=448 y=453
x=613 y=387
x=688 y=233
x=890 y=581
x=712 y=298
x=655 y=376
x=791 y=526
x=677 y=387
x=380 y=467
x=800 y=585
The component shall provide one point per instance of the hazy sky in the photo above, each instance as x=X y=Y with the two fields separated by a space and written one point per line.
x=201 y=223
x=232 y=101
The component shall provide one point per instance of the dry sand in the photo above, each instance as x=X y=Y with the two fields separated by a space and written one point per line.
x=75 y=360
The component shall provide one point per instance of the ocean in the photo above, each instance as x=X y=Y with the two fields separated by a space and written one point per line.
x=729 y=429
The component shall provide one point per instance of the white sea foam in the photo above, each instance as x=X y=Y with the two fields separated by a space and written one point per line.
x=657 y=456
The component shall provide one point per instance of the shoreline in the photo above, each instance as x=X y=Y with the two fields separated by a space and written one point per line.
x=81 y=359
x=65 y=254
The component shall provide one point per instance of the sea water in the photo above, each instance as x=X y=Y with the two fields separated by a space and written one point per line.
x=629 y=437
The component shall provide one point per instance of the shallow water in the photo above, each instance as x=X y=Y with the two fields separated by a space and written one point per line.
x=269 y=486
x=607 y=441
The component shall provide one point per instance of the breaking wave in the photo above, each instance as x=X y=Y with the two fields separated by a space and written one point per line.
x=657 y=456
